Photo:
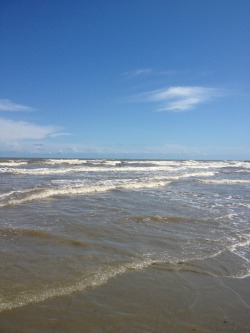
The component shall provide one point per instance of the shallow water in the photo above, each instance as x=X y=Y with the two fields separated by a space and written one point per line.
x=124 y=246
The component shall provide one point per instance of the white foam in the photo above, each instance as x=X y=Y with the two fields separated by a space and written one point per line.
x=37 y=194
x=239 y=164
x=64 y=161
x=108 y=168
x=193 y=174
x=9 y=194
x=80 y=162
x=241 y=275
x=241 y=204
x=224 y=181
x=206 y=164
x=51 y=171
x=243 y=243
x=12 y=163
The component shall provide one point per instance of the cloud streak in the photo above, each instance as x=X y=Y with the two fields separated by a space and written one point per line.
x=179 y=98
x=18 y=130
x=7 y=105
x=138 y=72
x=21 y=130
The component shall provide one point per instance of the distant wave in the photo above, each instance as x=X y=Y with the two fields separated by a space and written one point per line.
x=53 y=171
x=107 y=162
x=12 y=163
x=193 y=174
x=82 y=169
x=224 y=181
x=80 y=162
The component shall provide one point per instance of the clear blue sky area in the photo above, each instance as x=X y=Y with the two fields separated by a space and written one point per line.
x=133 y=78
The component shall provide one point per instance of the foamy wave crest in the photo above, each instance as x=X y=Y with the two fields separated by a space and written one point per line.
x=207 y=164
x=241 y=204
x=42 y=171
x=8 y=195
x=43 y=193
x=12 y=163
x=55 y=171
x=64 y=161
x=244 y=243
x=80 y=162
x=224 y=181
x=194 y=174
x=239 y=164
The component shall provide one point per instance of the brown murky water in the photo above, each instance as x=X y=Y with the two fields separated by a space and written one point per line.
x=124 y=246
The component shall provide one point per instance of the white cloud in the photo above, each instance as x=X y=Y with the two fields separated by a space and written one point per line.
x=180 y=98
x=21 y=130
x=7 y=105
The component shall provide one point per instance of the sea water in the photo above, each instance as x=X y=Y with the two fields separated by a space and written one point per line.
x=124 y=246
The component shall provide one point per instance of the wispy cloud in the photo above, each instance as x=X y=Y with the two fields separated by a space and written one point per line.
x=138 y=72
x=21 y=130
x=7 y=105
x=142 y=72
x=57 y=134
x=179 y=98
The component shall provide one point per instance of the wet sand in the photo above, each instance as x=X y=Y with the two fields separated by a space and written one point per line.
x=155 y=299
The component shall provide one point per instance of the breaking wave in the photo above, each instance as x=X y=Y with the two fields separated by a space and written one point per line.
x=43 y=193
x=224 y=181
x=12 y=163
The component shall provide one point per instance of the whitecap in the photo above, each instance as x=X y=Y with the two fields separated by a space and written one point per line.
x=224 y=181
x=43 y=193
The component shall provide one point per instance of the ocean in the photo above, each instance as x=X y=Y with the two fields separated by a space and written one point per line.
x=124 y=246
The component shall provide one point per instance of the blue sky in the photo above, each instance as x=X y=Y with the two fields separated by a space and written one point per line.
x=132 y=79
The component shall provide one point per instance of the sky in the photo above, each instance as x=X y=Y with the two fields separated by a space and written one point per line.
x=154 y=79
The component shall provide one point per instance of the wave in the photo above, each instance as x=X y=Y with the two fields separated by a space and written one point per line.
x=53 y=171
x=43 y=193
x=224 y=181
x=241 y=204
x=64 y=161
x=107 y=168
x=74 y=187
x=102 y=275
x=193 y=174
x=243 y=243
x=12 y=163
x=14 y=192
x=172 y=163
x=81 y=161
x=96 y=279
x=93 y=280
